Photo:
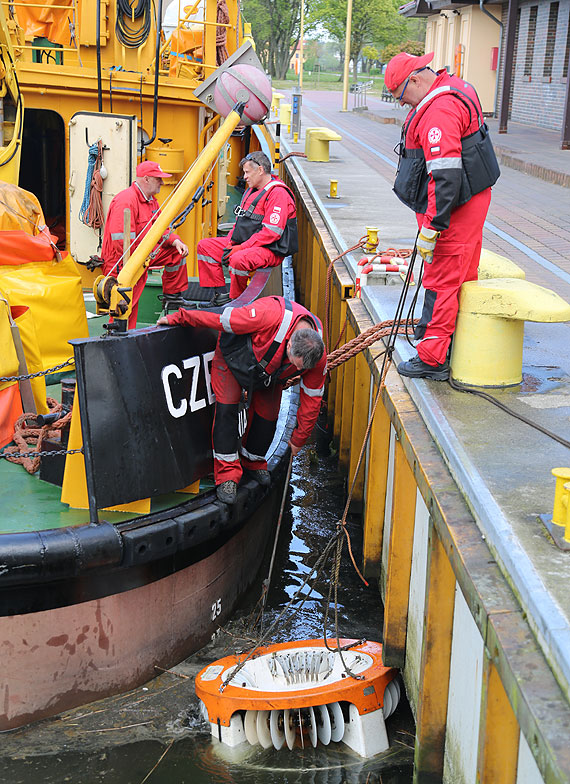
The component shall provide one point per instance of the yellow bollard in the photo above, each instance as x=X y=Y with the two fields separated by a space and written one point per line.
x=372 y=239
x=561 y=496
x=333 y=189
x=295 y=138
x=285 y=115
x=567 y=528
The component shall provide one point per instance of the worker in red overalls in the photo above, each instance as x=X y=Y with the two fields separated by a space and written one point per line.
x=262 y=345
x=140 y=199
x=446 y=169
x=264 y=233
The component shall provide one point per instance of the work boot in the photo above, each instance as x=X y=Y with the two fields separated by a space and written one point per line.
x=227 y=492
x=218 y=300
x=261 y=476
x=172 y=301
x=417 y=368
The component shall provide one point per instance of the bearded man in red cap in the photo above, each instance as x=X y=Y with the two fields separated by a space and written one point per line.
x=170 y=252
x=446 y=169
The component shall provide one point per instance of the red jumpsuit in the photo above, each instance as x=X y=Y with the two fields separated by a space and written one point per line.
x=143 y=214
x=262 y=319
x=437 y=126
x=275 y=209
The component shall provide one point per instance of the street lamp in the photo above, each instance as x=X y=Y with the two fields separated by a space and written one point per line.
x=346 y=56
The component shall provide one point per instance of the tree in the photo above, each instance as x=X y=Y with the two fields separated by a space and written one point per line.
x=370 y=54
x=411 y=47
x=373 y=21
x=275 y=26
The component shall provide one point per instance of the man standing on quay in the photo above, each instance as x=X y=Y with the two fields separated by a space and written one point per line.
x=446 y=169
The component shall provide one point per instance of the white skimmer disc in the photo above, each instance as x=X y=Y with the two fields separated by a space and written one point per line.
x=289 y=727
x=337 y=722
x=323 y=724
x=262 y=727
x=387 y=710
x=277 y=735
x=249 y=726
x=312 y=727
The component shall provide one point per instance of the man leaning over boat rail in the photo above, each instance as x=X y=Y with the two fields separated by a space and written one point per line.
x=262 y=346
x=264 y=233
x=170 y=253
x=446 y=168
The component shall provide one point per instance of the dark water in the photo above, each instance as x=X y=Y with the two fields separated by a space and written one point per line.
x=158 y=727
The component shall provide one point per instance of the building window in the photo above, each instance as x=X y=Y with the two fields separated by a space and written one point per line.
x=530 y=40
x=567 y=54
x=550 y=40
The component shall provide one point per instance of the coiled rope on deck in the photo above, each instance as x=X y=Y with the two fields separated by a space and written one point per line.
x=29 y=439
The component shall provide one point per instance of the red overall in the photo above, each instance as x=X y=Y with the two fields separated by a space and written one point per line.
x=276 y=209
x=143 y=214
x=262 y=319
x=438 y=126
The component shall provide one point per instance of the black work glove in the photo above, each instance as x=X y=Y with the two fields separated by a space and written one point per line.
x=226 y=256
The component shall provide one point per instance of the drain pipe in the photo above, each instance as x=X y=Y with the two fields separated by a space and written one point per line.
x=502 y=26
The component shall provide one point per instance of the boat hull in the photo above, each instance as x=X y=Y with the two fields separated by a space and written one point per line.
x=57 y=659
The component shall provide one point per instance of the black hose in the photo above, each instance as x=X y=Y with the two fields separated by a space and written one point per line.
x=156 y=70
x=127 y=35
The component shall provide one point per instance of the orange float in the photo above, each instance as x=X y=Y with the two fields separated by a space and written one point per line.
x=299 y=692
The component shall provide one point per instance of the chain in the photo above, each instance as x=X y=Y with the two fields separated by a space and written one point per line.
x=53 y=369
x=10 y=455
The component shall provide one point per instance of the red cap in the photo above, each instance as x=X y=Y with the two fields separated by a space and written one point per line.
x=151 y=169
x=401 y=66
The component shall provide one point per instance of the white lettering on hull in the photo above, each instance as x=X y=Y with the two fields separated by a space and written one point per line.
x=180 y=407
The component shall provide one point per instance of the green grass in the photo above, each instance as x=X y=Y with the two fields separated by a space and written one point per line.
x=327 y=81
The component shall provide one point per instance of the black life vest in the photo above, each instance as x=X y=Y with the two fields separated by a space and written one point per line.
x=249 y=222
x=237 y=350
x=480 y=168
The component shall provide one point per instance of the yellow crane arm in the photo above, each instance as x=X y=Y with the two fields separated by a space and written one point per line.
x=109 y=291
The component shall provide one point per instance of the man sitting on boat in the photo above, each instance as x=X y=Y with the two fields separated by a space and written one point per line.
x=264 y=233
x=261 y=347
x=170 y=252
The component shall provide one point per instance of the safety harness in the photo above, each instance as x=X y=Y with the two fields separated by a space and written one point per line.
x=250 y=222
x=238 y=353
x=480 y=169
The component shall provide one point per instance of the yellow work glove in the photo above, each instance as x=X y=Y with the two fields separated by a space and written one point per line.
x=426 y=243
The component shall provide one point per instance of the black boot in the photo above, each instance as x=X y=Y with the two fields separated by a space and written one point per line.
x=416 y=368
x=227 y=492
x=218 y=300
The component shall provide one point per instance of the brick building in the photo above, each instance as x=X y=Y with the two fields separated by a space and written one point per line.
x=516 y=54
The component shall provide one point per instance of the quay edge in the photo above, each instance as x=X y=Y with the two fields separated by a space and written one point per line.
x=484 y=673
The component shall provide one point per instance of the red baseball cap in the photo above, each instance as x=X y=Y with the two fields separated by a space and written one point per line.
x=401 y=66
x=151 y=169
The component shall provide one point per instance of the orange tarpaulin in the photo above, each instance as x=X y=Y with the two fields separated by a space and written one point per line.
x=24 y=236
x=47 y=22
x=10 y=410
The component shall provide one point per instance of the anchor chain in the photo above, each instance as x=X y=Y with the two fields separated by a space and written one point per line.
x=27 y=376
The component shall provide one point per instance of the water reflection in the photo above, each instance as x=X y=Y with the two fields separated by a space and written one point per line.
x=122 y=739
